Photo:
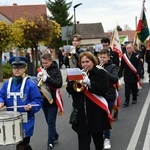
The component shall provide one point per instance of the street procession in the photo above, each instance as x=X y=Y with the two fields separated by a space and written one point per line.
x=71 y=86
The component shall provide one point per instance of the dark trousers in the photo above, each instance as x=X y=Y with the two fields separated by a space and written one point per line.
x=110 y=106
x=24 y=145
x=61 y=62
x=85 y=140
x=50 y=116
x=130 y=87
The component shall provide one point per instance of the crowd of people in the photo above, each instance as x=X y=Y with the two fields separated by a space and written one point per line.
x=96 y=104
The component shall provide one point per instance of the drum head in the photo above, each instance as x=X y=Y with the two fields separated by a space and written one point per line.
x=9 y=114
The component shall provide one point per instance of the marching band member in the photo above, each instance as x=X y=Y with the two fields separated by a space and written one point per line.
x=93 y=114
x=76 y=50
x=51 y=76
x=113 y=55
x=27 y=94
x=131 y=68
x=112 y=73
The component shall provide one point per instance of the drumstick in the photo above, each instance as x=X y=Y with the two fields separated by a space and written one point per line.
x=19 y=106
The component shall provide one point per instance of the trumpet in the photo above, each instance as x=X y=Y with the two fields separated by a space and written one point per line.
x=101 y=65
x=79 y=86
x=70 y=53
x=44 y=89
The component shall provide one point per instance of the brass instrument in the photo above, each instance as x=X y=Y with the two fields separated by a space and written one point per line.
x=101 y=65
x=70 y=53
x=44 y=89
x=79 y=85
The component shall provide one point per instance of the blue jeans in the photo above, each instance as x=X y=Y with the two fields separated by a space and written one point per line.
x=110 y=106
x=50 y=116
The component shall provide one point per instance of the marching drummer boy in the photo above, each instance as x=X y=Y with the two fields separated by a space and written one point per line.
x=21 y=94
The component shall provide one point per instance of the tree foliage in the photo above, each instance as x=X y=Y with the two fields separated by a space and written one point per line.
x=5 y=39
x=59 y=10
x=30 y=32
x=5 y=35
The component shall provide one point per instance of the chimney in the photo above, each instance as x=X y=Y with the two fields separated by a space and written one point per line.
x=14 y=4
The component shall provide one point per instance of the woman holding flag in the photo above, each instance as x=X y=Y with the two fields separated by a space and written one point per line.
x=93 y=113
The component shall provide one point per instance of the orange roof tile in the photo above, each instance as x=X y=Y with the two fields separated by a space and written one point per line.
x=15 y=12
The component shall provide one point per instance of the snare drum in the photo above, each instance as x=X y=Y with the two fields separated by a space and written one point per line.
x=11 y=131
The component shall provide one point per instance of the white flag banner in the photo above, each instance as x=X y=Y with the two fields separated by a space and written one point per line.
x=74 y=74
x=116 y=46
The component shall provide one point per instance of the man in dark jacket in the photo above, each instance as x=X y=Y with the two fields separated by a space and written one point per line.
x=52 y=77
x=113 y=55
x=131 y=68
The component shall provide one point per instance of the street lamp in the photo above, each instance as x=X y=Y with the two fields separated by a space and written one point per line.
x=75 y=15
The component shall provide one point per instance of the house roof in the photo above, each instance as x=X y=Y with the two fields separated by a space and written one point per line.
x=15 y=11
x=90 y=31
x=129 y=33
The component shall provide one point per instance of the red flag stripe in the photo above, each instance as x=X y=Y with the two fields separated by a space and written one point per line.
x=100 y=101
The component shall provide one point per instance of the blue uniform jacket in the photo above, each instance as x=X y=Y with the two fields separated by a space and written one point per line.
x=31 y=96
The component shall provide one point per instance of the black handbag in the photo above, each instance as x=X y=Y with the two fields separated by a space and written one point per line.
x=73 y=117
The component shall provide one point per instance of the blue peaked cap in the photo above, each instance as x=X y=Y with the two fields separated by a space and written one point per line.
x=18 y=61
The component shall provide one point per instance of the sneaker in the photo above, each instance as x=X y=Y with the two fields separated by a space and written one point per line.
x=107 y=144
x=50 y=147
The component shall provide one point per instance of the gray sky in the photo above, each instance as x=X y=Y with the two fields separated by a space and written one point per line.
x=109 y=13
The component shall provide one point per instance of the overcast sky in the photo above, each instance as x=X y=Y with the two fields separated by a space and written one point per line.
x=109 y=12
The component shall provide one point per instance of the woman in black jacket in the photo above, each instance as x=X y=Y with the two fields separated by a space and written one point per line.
x=92 y=118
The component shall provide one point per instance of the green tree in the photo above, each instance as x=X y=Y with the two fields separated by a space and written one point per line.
x=59 y=11
x=5 y=40
x=30 y=32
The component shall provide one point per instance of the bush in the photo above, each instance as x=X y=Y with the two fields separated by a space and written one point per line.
x=7 y=71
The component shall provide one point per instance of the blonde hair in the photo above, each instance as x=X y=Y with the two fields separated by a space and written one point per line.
x=47 y=56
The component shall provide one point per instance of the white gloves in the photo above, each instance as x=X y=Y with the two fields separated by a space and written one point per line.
x=99 y=67
x=73 y=51
x=42 y=75
x=86 y=80
x=39 y=75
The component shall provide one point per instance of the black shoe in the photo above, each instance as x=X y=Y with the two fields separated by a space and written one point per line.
x=115 y=116
x=134 y=102
x=50 y=147
x=28 y=147
x=125 y=104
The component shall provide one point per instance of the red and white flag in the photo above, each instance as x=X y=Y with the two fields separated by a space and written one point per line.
x=74 y=74
x=115 y=45
x=59 y=102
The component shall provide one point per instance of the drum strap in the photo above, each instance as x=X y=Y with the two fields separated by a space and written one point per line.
x=15 y=94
